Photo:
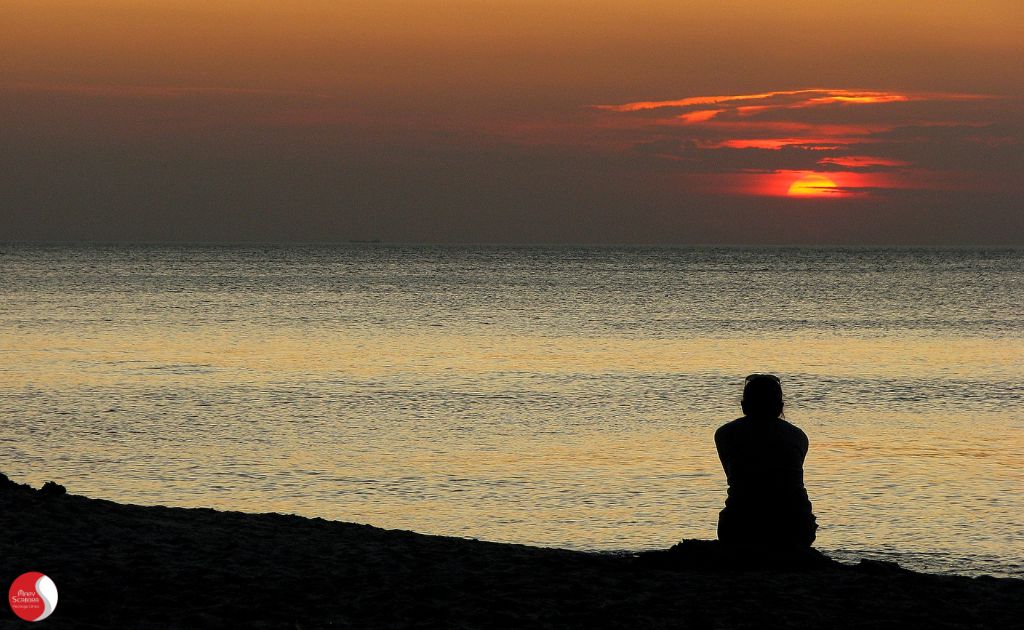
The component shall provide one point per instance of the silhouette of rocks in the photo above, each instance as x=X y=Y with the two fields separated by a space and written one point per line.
x=52 y=489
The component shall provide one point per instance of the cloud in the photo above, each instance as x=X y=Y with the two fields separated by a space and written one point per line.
x=922 y=140
x=780 y=98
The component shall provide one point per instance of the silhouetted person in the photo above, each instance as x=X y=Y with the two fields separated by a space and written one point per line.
x=763 y=456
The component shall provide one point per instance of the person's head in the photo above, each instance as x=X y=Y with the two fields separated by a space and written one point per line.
x=762 y=396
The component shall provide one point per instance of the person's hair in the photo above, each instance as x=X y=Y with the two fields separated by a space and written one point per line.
x=762 y=396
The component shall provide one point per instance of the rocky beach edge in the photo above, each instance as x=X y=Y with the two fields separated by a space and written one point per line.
x=128 y=566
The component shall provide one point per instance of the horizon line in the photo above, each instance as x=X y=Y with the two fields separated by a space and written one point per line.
x=511 y=244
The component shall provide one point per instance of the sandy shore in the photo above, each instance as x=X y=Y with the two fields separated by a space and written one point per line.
x=125 y=566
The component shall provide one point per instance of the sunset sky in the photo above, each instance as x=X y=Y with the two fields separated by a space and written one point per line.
x=579 y=121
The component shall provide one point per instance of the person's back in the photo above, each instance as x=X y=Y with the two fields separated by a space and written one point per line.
x=763 y=458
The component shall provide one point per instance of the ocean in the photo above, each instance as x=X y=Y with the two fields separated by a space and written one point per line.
x=558 y=396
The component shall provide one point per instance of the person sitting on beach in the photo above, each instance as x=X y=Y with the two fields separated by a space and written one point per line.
x=763 y=457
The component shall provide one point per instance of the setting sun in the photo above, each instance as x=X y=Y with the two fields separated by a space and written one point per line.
x=811 y=185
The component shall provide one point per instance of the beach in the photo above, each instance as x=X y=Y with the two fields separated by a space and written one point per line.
x=156 y=567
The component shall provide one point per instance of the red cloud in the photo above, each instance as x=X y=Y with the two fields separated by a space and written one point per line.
x=760 y=143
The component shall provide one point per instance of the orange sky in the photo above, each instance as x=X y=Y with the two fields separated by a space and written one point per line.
x=537 y=45
x=510 y=120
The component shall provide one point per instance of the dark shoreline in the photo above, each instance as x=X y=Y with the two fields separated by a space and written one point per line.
x=157 y=567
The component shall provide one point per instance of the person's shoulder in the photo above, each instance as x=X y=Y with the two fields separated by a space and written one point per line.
x=793 y=429
x=729 y=428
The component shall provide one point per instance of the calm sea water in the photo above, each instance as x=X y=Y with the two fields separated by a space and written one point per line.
x=557 y=396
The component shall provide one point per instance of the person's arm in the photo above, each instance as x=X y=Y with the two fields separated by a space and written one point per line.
x=722 y=446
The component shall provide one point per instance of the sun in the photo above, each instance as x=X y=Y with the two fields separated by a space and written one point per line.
x=811 y=186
